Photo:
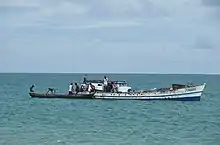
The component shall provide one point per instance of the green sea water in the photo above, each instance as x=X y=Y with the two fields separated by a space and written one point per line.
x=28 y=121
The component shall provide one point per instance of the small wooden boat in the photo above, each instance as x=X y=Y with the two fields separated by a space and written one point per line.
x=80 y=95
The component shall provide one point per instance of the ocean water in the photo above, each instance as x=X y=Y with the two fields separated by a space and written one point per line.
x=24 y=120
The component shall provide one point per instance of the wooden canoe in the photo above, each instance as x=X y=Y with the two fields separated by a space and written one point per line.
x=81 y=95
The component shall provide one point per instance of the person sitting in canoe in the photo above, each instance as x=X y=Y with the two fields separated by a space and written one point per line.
x=71 y=89
x=32 y=88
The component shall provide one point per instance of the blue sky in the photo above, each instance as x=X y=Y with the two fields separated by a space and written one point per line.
x=117 y=36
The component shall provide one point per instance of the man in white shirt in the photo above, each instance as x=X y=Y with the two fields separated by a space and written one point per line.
x=71 y=88
x=105 y=81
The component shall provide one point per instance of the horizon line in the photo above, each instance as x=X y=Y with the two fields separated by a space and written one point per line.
x=138 y=73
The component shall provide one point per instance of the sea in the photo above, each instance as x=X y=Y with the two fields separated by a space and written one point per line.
x=34 y=121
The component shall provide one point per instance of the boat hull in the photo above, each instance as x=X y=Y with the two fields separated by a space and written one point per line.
x=191 y=97
x=64 y=96
x=185 y=94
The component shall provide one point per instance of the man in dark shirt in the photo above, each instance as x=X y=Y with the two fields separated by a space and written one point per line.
x=32 y=88
x=85 y=79
x=77 y=88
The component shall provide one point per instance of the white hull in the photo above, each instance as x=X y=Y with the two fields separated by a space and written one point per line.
x=189 y=93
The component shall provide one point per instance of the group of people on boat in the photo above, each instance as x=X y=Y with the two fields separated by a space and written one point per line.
x=82 y=88
x=86 y=86
x=71 y=88
x=108 y=86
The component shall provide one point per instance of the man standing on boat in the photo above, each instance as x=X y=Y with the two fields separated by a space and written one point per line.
x=105 y=81
x=71 y=89
x=77 y=88
x=85 y=79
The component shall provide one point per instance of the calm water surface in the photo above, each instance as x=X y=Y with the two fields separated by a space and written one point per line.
x=96 y=122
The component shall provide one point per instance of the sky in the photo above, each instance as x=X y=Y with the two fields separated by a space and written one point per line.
x=117 y=36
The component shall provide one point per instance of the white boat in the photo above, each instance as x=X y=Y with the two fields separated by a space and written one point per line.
x=176 y=92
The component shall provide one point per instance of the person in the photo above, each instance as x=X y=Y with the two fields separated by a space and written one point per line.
x=52 y=90
x=91 y=88
x=114 y=87
x=32 y=88
x=71 y=89
x=84 y=79
x=81 y=88
x=77 y=88
x=105 y=83
x=109 y=87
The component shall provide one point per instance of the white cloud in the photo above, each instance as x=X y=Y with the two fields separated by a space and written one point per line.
x=67 y=13
x=90 y=14
x=63 y=9
x=154 y=33
x=101 y=24
x=19 y=3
